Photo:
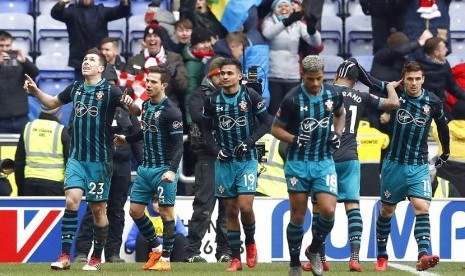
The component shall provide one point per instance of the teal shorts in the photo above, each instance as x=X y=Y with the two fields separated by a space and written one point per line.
x=399 y=181
x=94 y=178
x=348 y=180
x=311 y=177
x=235 y=178
x=148 y=183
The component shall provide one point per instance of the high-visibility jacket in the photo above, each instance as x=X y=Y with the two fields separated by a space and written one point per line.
x=442 y=191
x=370 y=141
x=457 y=140
x=44 y=150
x=271 y=181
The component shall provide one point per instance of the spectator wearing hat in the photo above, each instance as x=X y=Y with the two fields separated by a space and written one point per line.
x=87 y=25
x=195 y=56
x=163 y=16
x=283 y=28
x=204 y=199
x=454 y=169
x=155 y=55
x=41 y=156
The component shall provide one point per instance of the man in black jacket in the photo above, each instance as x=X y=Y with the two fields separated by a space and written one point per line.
x=87 y=25
x=438 y=74
x=204 y=199
x=14 y=107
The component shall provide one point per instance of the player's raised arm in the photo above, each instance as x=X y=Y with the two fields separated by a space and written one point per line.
x=46 y=99
x=129 y=102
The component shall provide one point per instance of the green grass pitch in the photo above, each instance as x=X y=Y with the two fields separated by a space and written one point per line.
x=191 y=269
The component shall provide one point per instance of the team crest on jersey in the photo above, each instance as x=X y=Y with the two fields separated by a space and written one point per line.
x=329 y=105
x=426 y=109
x=293 y=180
x=157 y=115
x=387 y=194
x=402 y=100
x=221 y=189
x=99 y=95
x=243 y=105
x=260 y=105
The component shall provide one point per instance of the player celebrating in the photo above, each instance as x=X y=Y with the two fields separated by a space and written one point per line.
x=158 y=175
x=233 y=110
x=304 y=121
x=89 y=167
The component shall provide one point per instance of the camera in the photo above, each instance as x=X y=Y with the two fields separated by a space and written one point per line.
x=252 y=80
x=13 y=61
x=7 y=167
x=261 y=152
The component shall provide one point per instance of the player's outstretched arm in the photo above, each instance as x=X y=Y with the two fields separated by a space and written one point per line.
x=46 y=99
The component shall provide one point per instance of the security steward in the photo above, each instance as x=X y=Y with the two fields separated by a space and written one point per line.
x=41 y=156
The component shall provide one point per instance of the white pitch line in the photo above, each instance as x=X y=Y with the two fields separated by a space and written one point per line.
x=412 y=270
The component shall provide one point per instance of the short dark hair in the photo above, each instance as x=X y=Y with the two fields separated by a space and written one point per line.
x=412 y=66
x=103 y=60
x=230 y=61
x=164 y=77
x=431 y=44
x=109 y=39
x=5 y=35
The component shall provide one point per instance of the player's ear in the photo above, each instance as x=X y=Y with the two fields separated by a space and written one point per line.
x=240 y=76
x=101 y=69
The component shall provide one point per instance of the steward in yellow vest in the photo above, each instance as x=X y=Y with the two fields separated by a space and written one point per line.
x=454 y=169
x=271 y=181
x=370 y=142
x=41 y=156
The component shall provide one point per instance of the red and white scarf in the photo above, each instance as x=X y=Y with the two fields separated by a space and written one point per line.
x=160 y=58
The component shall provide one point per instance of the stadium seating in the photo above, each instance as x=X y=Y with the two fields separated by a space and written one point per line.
x=15 y=6
x=52 y=36
x=331 y=34
x=136 y=32
x=331 y=62
x=455 y=59
x=457 y=21
x=139 y=7
x=359 y=37
x=45 y=6
x=20 y=26
x=117 y=28
x=365 y=60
